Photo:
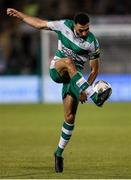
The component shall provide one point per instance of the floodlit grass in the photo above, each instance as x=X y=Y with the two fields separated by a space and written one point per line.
x=100 y=146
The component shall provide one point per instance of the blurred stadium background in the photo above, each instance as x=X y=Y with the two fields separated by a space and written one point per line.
x=25 y=52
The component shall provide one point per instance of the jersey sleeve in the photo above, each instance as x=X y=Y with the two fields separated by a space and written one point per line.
x=55 y=25
x=95 y=50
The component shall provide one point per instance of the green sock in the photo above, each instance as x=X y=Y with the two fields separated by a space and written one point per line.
x=65 y=137
x=59 y=151
x=94 y=97
x=79 y=80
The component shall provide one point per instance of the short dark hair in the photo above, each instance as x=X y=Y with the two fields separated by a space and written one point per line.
x=81 y=18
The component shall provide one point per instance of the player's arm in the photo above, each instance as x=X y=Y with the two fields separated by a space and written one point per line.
x=32 y=21
x=94 y=66
x=94 y=57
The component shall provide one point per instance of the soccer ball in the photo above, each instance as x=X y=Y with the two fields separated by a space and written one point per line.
x=101 y=86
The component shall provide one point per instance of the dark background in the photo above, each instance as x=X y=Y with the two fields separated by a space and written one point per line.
x=20 y=51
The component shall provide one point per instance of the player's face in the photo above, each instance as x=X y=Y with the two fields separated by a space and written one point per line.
x=82 y=30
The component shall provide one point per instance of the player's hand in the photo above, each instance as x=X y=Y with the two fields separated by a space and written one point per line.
x=14 y=13
x=83 y=97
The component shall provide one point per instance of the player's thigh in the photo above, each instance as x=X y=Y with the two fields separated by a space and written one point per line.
x=60 y=65
x=65 y=64
x=57 y=75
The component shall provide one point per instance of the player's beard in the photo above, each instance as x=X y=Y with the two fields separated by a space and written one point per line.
x=80 y=36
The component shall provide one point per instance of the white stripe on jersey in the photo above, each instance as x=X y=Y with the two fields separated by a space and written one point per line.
x=69 y=34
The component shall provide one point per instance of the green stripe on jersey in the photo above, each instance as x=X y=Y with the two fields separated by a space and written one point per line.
x=69 y=24
x=69 y=44
x=60 y=54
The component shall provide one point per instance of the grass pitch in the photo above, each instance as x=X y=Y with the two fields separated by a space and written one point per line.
x=100 y=146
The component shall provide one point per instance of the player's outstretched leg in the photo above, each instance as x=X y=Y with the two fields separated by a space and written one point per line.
x=64 y=139
x=70 y=107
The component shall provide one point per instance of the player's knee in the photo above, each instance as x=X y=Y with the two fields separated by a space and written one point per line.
x=69 y=61
x=70 y=118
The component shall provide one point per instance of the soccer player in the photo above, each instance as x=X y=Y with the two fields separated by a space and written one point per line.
x=76 y=45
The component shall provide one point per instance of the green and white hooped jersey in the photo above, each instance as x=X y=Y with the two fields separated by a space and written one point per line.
x=70 y=45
